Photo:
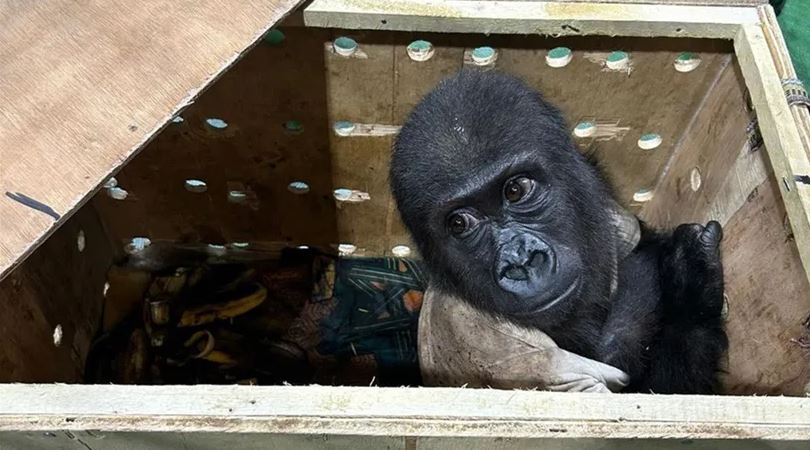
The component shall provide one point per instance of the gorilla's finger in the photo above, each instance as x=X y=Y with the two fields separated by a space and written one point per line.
x=712 y=234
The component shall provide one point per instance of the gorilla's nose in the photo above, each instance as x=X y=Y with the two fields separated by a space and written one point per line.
x=525 y=263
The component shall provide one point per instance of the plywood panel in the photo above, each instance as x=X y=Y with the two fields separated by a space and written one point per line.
x=270 y=86
x=58 y=286
x=85 y=84
x=768 y=300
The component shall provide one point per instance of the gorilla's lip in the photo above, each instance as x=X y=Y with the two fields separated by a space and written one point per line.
x=548 y=304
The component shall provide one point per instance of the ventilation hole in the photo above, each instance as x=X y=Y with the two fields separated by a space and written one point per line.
x=695 y=180
x=617 y=60
x=559 y=57
x=343 y=127
x=293 y=126
x=643 y=195
x=137 y=244
x=80 y=241
x=786 y=183
x=117 y=193
x=216 y=249
x=346 y=249
x=401 y=251
x=585 y=129
x=679 y=30
x=274 y=37
x=384 y=22
x=57 y=336
x=483 y=56
x=217 y=124
x=237 y=196
x=420 y=50
x=649 y=141
x=298 y=187
x=687 y=62
x=342 y=194
x=178 y=119
x=344 y=46
x=111 y=183
x=196 y=186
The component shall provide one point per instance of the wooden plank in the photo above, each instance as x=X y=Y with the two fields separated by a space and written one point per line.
x=270 y=86
x=768 y=300
x=651 y=97
x=705 y=152
x=72 y=121
x=58 y=286
x=361 y=90
x=779 y=132
x=531 y=17
x=371 y=411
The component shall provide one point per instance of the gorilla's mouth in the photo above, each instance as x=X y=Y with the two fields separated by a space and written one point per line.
x=547 y=304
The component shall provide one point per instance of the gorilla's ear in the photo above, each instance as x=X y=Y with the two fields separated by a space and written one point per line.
x=627 y=227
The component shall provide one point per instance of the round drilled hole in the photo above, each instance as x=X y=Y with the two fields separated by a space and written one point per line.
x=117 y=193
x=686 y=62
x=216 y=124
x=344 y=46
x=274 y=37
x=298 y=187
x=483 y=56
x=649 y=141
x=196 y=186
x=343 y=127
x=57 y=336
x=420 y=50
x=585 y=129
x=559 y=57
x=617 y=60
x=293 y=127
x=695 y=179
x=81 y=241
x=401 y=251
x=137 y=244
x=643 y=195
x=346 y=249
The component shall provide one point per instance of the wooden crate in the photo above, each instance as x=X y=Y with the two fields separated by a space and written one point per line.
x=88 y=87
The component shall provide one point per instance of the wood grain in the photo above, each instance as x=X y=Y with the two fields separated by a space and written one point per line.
x=57 y=286
x=85 y=85
x=271 y=85
x=424 y=412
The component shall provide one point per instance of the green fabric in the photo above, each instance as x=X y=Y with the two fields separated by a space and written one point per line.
x=794 y=19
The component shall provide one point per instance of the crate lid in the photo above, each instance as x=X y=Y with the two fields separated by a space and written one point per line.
x=84 y=86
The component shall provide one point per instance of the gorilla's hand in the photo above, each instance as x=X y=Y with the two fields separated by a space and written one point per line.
x=692 y=272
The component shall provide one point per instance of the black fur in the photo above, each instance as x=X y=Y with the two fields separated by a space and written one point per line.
x=545 y=260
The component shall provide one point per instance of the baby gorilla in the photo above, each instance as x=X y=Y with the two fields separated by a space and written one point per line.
x=510 y=216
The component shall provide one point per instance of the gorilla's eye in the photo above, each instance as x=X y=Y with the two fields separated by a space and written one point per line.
x=460 y=223
x=517 y=188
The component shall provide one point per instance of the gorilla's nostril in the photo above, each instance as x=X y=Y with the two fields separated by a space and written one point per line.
x=536 y=258
x=517 y=273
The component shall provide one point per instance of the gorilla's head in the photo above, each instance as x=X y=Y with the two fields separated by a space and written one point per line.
x=503 y=208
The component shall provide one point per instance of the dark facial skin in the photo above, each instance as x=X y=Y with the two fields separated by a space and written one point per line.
x=508 y=215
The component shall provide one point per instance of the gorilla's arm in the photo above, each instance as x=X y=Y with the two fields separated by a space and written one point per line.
x=665 y=327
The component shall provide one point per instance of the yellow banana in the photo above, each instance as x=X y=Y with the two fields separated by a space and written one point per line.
x=204 y=314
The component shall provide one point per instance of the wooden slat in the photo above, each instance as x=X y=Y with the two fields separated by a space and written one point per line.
x=58 y=286
x=399 y=412
x=779 y=132
x=86 y=84
x=531 y=17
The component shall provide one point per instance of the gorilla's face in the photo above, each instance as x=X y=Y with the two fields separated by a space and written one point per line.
x=512 y=234
x=504 y=209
